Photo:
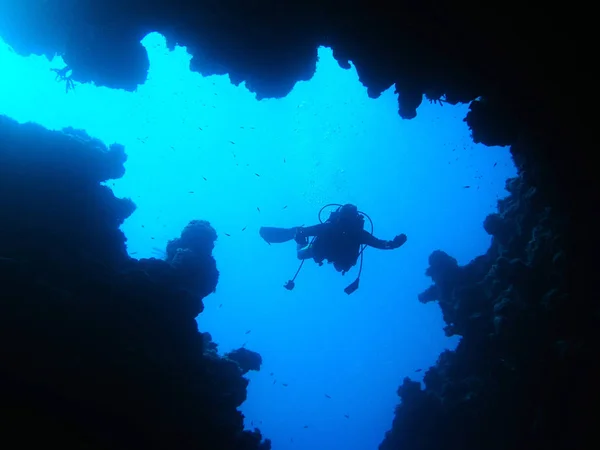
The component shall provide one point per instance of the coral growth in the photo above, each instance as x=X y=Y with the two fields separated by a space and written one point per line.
x=246 y=359
x=100 y=350
x=522 y=372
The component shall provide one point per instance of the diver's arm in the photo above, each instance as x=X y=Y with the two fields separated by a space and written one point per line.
x=370 y=240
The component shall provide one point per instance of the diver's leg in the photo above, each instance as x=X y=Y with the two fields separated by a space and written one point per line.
x=275 y=235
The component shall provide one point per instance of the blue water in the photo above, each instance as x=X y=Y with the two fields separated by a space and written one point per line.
x=195 y=146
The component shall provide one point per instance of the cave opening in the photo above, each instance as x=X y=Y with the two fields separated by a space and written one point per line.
x=202 y=148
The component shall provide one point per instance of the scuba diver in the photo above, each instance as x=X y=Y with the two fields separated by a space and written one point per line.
x=340 y=240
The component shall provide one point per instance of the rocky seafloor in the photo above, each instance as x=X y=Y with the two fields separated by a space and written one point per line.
x=103 y=351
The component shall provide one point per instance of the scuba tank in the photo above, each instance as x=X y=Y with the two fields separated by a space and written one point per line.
x=336 y=216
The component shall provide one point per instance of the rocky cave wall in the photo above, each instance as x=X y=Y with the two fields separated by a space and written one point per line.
x=100 y=350
x=523 y=372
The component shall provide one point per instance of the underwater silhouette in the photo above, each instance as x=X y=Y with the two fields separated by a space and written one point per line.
x=340 y=240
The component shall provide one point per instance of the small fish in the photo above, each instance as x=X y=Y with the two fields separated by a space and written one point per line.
x=274 y=381
x=466 y=187
x=227 y=234
x=190 y=192
x=327 y=396
x=418 y=370
x=257 y=174
x=248 y=332
x=495 y=164
x=271 y=374
x=258 y=209
x=284 y=384
x=346 y=416
x=242 y=128
x=204 y=178
x=143 y=226
x=291 y=439
x=284 y=160
x=220 y=305
x=152 y=238
x=200 y=128
x=243 y=229
x=232 y=142
x=305 y=426
x=284 y=207
x=134 y=253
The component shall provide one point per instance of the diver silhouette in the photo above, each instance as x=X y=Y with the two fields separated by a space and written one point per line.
x=340 y=240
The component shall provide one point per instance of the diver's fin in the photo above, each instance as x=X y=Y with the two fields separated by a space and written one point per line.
x=352 y=287
x=274 y=235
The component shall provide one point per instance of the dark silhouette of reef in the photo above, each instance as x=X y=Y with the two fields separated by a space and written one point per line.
x=525 y=370
x=100 y=350
x=524 y=373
